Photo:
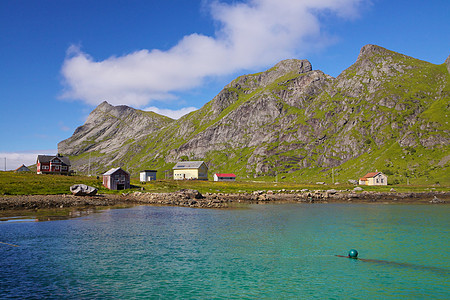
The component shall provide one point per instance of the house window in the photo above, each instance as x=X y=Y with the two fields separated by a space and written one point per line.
x=378 y=181
x=56 y=167
x=44 y=167
x=63 y=168
x=382 y=180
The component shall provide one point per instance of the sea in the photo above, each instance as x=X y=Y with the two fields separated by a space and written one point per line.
x=271 y=251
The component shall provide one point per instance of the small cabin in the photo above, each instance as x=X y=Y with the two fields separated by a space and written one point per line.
x=22 y=168
x=190 y=170
x=147 y=175
x=373 y=178
x=52 y=164
x=116 y=179
x=224 y=177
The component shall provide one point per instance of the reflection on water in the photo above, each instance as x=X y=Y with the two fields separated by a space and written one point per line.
x=40 y=215
x=441 y=271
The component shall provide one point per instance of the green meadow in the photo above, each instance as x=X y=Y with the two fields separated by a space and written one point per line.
x=29 y=183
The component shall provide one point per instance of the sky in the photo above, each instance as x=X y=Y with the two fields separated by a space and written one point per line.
x=59 y=59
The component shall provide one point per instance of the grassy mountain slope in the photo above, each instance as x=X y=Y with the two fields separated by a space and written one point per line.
x=387 y=112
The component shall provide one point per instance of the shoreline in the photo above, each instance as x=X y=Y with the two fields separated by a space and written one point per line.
x=192 y=198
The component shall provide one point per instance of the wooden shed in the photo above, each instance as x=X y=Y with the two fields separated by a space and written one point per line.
x=116 y=179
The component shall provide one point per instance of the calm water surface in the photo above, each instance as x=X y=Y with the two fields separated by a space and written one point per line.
x=264 y=252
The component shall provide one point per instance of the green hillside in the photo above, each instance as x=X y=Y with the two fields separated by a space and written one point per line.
x=386 y=112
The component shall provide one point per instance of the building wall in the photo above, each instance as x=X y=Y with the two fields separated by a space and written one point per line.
x=106 y=182
x=147 y=176
x=217 y=178
x=116 y=180
x=47 y=168
x=380 y=179
x=201 y=173
x=185 y=174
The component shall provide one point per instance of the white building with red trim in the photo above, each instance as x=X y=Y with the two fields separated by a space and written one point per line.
x=224 y=177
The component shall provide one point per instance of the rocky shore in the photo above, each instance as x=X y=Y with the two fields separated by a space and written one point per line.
x=192 y=198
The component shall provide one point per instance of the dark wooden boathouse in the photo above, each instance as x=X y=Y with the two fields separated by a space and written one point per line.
x=116 y=179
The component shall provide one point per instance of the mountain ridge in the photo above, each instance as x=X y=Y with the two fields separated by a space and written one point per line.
x=291 y=120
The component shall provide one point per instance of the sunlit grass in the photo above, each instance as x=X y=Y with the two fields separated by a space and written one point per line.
x=32 y=184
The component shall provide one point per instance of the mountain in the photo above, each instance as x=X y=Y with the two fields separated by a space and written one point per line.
x=387 y=111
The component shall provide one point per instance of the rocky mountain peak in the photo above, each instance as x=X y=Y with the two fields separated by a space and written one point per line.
x=265 y=78
x=292 y=65
x=119 y=111
x=370 y=51
x=104 y=104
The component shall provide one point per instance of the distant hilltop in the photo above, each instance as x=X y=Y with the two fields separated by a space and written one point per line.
x=386 y=112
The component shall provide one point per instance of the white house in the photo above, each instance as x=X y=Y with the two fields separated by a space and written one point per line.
x=373 y=178
x=190 y=170
x=224 y=177
x=147 y=175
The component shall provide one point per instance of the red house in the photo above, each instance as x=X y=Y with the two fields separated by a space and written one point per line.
x=116 y=179
x=53 y=164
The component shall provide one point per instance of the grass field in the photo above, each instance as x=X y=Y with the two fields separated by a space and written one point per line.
x=29 y=183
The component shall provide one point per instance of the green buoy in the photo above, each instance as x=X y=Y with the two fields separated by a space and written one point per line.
x=353 y=253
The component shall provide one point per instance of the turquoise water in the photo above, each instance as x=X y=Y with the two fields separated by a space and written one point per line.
x=263 y=252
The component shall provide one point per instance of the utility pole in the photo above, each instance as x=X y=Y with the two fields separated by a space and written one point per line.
x=5 y=164
x=89 y=167
x=332 y=174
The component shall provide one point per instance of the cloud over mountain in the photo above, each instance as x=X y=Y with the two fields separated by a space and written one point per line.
x=250 y=34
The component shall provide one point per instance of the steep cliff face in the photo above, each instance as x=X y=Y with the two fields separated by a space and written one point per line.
x=293 y=120
x=111 y=129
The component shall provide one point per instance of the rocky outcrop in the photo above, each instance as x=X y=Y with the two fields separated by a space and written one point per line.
x=192 y=198
x=110 y=129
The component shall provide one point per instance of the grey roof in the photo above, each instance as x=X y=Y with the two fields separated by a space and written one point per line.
x=25 y=168
x=114 y=170
x=148 y=171
x=48 y=158
x=188 y=165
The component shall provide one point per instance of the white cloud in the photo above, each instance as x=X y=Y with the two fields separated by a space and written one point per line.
x=174 y=114
x=250 y=34
x=16 y=159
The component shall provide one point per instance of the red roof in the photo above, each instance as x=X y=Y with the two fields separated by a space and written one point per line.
x=225 y=175
x=369 y=175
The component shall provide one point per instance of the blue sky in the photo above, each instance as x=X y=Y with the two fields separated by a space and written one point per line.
x=59 y=59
